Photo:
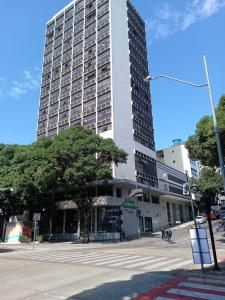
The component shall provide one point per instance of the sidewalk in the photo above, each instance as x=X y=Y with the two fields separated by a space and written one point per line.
x=190 y=286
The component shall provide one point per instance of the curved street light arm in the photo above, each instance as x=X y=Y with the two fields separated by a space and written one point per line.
x=149 y=78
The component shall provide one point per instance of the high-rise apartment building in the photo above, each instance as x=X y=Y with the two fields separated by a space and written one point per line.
x=95 y=59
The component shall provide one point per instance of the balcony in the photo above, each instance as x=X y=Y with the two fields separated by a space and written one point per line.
x=88 y=112
x=89 y=44
x=89 y=32
x=77 y=63
x=89 y=97
x=103 y=12
x=42 y=118
x=54 y=99
x=53 y=112
x=43 y=94
x=76 y=89
x=89 y=82
x=103 y=61
x=103 y=49
x=103 y=35
x=64 y=95
x=75 y=103
x=63 y=122
x=64 y=108
x=103 y=90
x=103 y=23
x=89 y=70
x=104 y=121
x=104 y=105
x=40 y=131
x=77 y=76
x=52 y=126
x=75 y=117
x=100 y=3
x=103 y=75
x=65 y=81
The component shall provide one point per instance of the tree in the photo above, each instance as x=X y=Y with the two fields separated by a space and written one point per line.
x=89 y=158
x=70 y=163
x=202 y=145
x=9 y=202
x=209 y=180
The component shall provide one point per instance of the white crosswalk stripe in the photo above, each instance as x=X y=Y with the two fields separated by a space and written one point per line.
x=145 y=262
x=126 y=261
x=178 y=265
x=156 y=266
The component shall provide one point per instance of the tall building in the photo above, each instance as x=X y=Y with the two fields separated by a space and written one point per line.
x=95 y=59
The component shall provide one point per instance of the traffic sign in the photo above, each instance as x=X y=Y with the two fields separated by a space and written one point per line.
x=36 y=217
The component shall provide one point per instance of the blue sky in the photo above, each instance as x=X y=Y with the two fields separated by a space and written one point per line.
x=178 y=33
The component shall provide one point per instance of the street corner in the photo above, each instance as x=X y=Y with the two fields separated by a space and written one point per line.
x=192 y=286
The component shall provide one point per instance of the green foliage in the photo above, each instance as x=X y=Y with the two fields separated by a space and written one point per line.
x=24 y=239
x=69 y=162
x=40 y=238
x=202 y=145
x=209 y=179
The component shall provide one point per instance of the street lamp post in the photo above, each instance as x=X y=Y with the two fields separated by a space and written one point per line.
x=208 y=84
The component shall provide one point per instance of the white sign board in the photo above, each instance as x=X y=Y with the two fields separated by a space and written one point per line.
x=200 y=246
x=36 y=217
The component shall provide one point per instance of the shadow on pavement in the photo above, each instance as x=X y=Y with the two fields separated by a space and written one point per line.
x=4 y=250
x=138 y=284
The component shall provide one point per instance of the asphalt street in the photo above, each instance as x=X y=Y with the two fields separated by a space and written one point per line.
x=98 y=270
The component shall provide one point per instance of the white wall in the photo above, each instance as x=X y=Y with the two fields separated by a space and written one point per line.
x=121 y=88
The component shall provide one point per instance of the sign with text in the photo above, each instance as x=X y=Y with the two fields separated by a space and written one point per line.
x=129 y=205
x=36 y=217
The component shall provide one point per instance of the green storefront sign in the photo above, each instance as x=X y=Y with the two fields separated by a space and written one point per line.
x=129 y=205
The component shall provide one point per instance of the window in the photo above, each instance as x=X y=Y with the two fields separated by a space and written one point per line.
x=118 y=193
x=155 y=199
x=76 y=110
x=147 y=198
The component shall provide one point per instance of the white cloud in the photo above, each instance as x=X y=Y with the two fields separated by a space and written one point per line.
x=167 y=20
x=28 y=82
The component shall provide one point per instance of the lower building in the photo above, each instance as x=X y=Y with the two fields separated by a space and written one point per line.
x=116 y=214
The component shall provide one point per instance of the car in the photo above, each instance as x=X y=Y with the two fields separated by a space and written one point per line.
x=200 y=219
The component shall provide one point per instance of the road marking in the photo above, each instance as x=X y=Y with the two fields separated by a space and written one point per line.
x=80 y=258
x=178 y=265
x=161 y=298
x=142 y=263
x=202 y=286
x=114 y=257
x=195 y=294
x=113 y=260
x=156 y=265
x=138 y=258
x=206 y=280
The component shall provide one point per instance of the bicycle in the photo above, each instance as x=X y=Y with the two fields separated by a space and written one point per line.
x=220 y=227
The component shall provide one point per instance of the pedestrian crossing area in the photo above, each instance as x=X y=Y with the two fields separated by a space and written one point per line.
x=211 y=287
x=111 y=260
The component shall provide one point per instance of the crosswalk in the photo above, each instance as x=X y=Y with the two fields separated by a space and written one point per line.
x=191 y=287
x=110 y=260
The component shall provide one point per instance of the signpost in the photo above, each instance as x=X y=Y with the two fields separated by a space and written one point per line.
x=36 y=217
x=200 y=246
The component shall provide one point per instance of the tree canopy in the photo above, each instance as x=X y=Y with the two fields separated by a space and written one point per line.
x=209 y=180
x=68 y=163
x=202 y=145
